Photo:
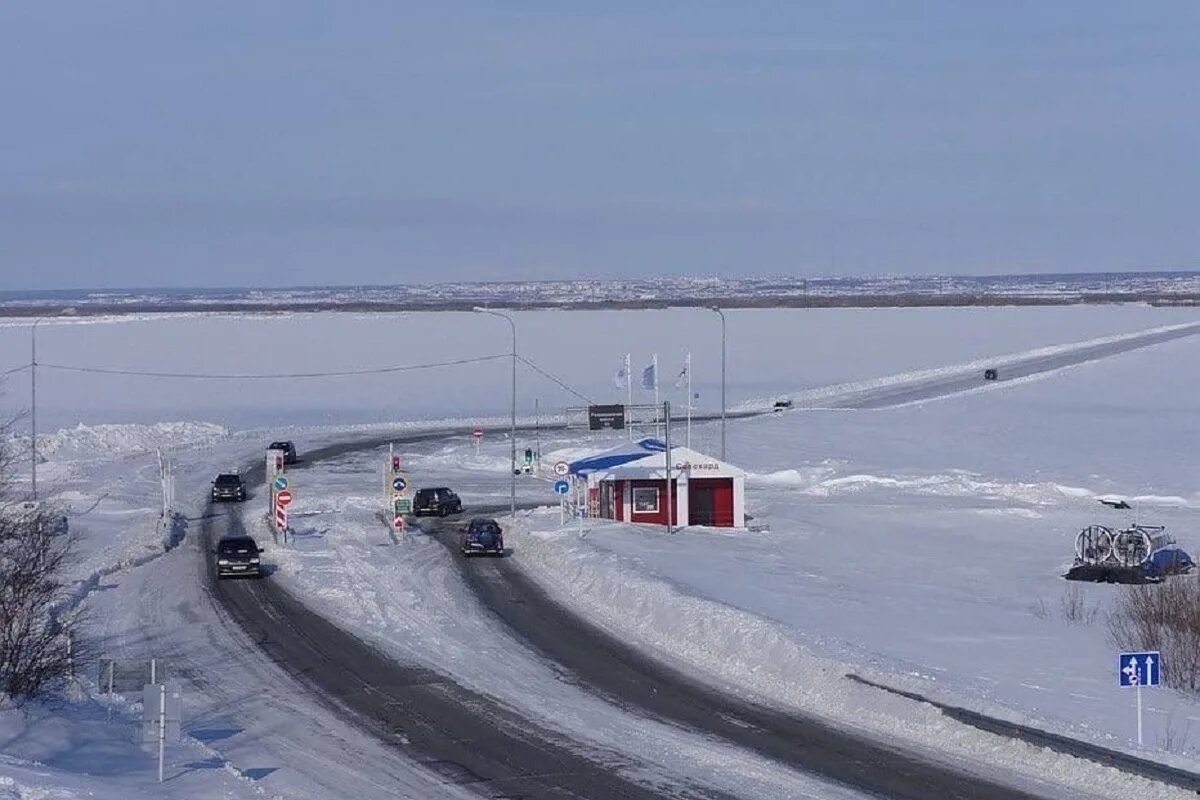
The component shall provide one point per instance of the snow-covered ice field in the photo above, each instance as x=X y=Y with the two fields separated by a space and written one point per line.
x=920 y=546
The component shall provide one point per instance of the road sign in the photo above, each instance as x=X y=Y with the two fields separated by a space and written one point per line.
x=280 y=518
x=561 y=468
x=280 y=483
x=477 y=433
x=283 y=498
x=1139 y=669
x=398 y=522
x=606 y=417
x=402 y=505
x=561 y=487
x=399 y=484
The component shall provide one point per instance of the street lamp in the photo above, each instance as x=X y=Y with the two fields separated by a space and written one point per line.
x=512 y=433
x=721 y=313
x=33 y=397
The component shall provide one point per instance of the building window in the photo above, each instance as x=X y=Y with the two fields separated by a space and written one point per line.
x=645 y=500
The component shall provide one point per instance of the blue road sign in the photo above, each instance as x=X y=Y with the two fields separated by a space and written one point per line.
x=399 y=484
x=561 y=487
x=1140 y=669
x=281 y=483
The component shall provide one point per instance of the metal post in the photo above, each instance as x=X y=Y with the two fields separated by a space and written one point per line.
x=112 y=667
x=537 y=437
x=1139 y=709
x=666 y=412
x=33 y=408
x=162 y=727
x=153 y=670
x=512 y=491
x=628 y=391
x=721 y=313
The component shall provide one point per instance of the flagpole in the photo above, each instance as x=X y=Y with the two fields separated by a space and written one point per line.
x=657 y=415
x=688 y=365
x=628 y=392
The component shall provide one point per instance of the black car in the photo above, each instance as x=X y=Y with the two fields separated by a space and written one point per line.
x=228 y=486
x=237 y=555
x=482 y=536
x=436 y=502
x=990 y=374
x=289 y=451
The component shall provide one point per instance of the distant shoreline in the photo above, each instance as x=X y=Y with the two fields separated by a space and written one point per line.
x=901 y=300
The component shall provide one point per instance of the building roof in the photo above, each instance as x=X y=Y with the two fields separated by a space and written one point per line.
x=647 y=459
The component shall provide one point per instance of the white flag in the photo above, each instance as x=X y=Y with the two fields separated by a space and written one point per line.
x=681 y=380
x=649 y=377
x=622 y=377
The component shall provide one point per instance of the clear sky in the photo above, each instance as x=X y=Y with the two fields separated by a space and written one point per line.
x=248 y=143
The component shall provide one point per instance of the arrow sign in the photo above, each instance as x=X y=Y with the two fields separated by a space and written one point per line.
x=281 y=483
x=399 y=484
x=283 y=498
x=1140 y=669
x=561 y=487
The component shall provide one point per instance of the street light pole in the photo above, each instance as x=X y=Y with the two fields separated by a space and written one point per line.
x=512 y=433
x=33 y=408
x=721 y=313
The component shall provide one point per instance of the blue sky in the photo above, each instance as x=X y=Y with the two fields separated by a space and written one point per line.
x=221 y=143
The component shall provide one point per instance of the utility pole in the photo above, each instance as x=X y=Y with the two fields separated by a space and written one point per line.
x=512 y=434
x=721 y=314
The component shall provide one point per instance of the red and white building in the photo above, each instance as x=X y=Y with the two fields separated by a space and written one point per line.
x=630 y=483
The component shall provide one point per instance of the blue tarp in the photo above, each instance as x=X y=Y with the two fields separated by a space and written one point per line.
x=634 y=451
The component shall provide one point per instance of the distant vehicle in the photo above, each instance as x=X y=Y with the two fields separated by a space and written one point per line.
x=289 y=451
x=782 y=405
x=990 y=374
x=228 y=486
x=436 y=502
x=482 y=536
x=237 y=555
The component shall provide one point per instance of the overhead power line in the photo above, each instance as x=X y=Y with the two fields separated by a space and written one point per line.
x=14 y=370
x=552 y=378
x=273 y=376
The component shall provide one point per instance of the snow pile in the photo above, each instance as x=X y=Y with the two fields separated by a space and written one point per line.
x=116 y=441
x=752 y=655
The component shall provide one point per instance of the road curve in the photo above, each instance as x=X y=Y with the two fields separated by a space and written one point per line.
x=626 y=676
x=468 y=739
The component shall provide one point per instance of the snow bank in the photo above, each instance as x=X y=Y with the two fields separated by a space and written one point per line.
x=88 y=442
x=751 y=655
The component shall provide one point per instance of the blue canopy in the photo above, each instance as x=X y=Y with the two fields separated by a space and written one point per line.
x=634 y=451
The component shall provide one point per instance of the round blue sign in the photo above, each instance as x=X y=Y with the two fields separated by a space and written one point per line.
x=281 y=483
x=399 y=484
x=561 y=487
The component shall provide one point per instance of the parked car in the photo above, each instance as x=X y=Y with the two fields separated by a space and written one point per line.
x=228 y=486
x=237 y=555
x=436 y=502
x=482 y=536
x=990 y=374
x=782 y=405
x=289 y=451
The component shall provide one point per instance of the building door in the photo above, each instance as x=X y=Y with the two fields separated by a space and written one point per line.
x=710 y=502
x=700 y=503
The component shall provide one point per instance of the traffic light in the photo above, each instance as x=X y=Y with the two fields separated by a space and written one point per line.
x=395 y=463
x=528 y=456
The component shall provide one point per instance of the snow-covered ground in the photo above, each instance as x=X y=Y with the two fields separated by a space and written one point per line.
x=917 y=546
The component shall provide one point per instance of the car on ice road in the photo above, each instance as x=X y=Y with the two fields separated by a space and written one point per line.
x=228 y=486
x=437 y=502
x=289 y=451
x=237 y=555
x=482 y=536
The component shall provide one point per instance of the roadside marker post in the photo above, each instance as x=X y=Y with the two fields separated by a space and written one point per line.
x=561 y=488
x=397 y=492
x=1136 y=670
x=477 y=435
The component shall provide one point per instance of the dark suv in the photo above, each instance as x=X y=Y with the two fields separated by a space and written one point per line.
x=436 y=502
x=237 y=555
x=482 y=536
x=228 y=486
x=289 y=451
